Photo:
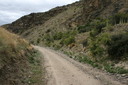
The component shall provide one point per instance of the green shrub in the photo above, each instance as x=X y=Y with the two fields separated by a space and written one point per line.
x=104 y=39
x=97 y=45
x=68 y=40
x=67 y=37
x=118 y=46
x=69 y=33
x=85 y=28
x=48 y=38
x=38 y=40
x=94 y=33
x=63 y=38
x=100 y=25
x=96 y=24
x=96 y=50
x=57 y=46
x=58 y=36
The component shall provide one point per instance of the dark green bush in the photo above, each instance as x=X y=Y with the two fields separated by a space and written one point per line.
x=38 y=40
x=97 y=45
x=84 y=28
x=58 y=36
x=48 y=38
x=68 y=40
x=67 y=37
x=96 y=50
x=85 y=43
x=99 y=24
x=118 y=46
x=94 y=33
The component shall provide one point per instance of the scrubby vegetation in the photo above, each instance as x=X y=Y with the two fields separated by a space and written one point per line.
x=106 y=43
x=118 y=46
x=96 y=24
x=97 y=45
x=59 y=39
x=104 y=47
x=68 y=38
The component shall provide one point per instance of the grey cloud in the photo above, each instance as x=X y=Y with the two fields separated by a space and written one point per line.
x=11 y=10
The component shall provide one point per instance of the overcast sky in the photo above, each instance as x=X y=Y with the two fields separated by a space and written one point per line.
x=10 y=10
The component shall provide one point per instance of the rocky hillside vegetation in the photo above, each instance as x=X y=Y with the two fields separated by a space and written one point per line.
x=17 y=60
x=90 y=31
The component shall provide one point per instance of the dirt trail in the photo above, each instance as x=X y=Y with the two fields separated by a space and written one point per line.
x=62 y=70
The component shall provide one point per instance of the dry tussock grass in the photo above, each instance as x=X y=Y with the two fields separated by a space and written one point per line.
x=7 y=38
x=14 y=53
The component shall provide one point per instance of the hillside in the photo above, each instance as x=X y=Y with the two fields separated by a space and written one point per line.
x=65 y=18
x=90 y=31
x=15 y=59
x=37 y=24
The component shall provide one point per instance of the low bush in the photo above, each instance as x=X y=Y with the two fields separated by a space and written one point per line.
x=96 y=24
x=97 y=45
x=118 y=46
x=63 y=38
x=68 y=40
x=58 y=36
x=84 y=28
x=48 y=38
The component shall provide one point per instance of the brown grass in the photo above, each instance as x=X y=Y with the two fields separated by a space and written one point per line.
x=14 y=53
